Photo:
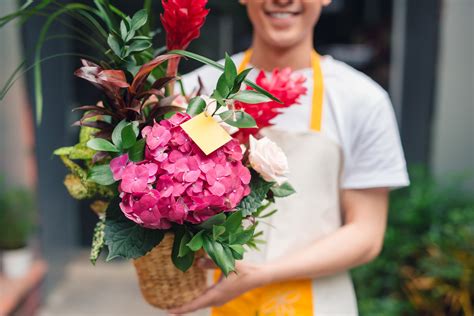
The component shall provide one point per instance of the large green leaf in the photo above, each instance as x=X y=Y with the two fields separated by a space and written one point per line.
x=196 y=242
x=117 y=133
x=222 y=258
x=181 y=238
x=125 y=238
x=139 y=19
x=129 y=137
x=283 y=190
x=230 y=71
x=137 y=152
x=218 y=219
x=196 y=106
x=238 y=119
x=250 y=97
x=233 y=222
x=210 y=62
x=101 y=144
x=101 y=175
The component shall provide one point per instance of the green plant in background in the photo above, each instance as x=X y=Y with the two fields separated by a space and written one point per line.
x=119 y=41
x=427 y=264
x=17 y=218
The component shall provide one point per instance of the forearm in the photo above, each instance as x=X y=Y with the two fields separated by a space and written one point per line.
x=347 y=247
x=355 y=243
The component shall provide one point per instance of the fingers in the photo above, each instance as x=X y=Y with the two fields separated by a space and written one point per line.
x=203 y=301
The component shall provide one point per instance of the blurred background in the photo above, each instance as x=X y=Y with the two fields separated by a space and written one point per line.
x=420 y=51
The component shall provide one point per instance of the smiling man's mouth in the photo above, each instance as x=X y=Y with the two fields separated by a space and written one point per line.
x=282 y=15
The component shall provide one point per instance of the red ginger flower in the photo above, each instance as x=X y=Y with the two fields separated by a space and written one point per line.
x=285 y=85
x=182 y=20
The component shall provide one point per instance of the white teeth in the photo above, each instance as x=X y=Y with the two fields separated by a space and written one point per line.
x=280 y=15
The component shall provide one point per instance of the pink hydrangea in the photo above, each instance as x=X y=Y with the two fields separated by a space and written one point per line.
x=177 y=182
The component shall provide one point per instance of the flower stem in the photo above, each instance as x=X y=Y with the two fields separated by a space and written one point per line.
x=172 y=71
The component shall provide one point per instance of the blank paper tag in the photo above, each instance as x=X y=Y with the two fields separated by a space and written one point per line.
x=206 y=133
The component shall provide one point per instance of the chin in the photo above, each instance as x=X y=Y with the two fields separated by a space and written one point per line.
x=283 y=39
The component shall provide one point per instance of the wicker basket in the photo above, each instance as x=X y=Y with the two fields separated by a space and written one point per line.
x=161 y=283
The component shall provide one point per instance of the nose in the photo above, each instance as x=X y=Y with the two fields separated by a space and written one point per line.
x=282 y=3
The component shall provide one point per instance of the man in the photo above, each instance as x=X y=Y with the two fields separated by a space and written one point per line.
x=344 y=153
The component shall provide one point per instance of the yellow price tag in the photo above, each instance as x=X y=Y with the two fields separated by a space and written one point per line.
x=206 y=133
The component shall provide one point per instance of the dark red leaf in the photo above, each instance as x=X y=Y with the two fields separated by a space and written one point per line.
x=102 y=110
x=145 y=71
x=148 y=93
x=160 y=83
x=114 y=77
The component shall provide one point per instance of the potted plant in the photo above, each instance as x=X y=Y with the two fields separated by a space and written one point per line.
x=17 y=222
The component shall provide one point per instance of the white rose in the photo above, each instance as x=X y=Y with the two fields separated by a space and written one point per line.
x=268 y=160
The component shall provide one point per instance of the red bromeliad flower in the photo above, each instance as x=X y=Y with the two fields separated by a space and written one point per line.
x=182 y=20
x=285 y=85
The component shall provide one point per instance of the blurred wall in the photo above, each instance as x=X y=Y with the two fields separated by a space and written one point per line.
x=453 y=137
x=17 y=162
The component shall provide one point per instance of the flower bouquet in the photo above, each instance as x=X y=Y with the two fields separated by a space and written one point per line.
x=169 y=182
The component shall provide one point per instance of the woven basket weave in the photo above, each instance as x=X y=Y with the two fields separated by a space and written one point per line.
x=161 y=283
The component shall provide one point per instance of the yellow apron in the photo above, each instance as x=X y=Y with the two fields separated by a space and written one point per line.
x=314 y=211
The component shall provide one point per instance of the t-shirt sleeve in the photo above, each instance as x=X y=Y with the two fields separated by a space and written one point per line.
x=375 y=157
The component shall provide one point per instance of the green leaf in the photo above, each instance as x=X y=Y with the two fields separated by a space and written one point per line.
x=136 y=153
x=240 y=79
x=242 y=238
x=258 y=191
x=283 y=190
x=38 y=87
x=130 y=35
x=214 y=64
x=139 y=19
x=196 y=106
x=230 y=71
x=218 y=219
x=98 y=241
x=125 y=238
x=217 y=231
x=101 y=175
x=250 y=97
x=114 y=45
x=185 y=262
x=117 y=133
x=129 y=137
x=222 y=86
x=268 y=214
x=237 y=251
x=216 y=251
x=63 y=151
x=239 y=119
x=101 y=144
x=196 y=242
x=138 y=46
x=123 y=30
x=233 y=222
x=183 y=248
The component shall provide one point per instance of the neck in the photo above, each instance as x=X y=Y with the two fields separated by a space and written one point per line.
x=268 y=57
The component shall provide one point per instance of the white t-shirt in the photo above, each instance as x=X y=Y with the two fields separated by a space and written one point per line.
x=357 y=115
